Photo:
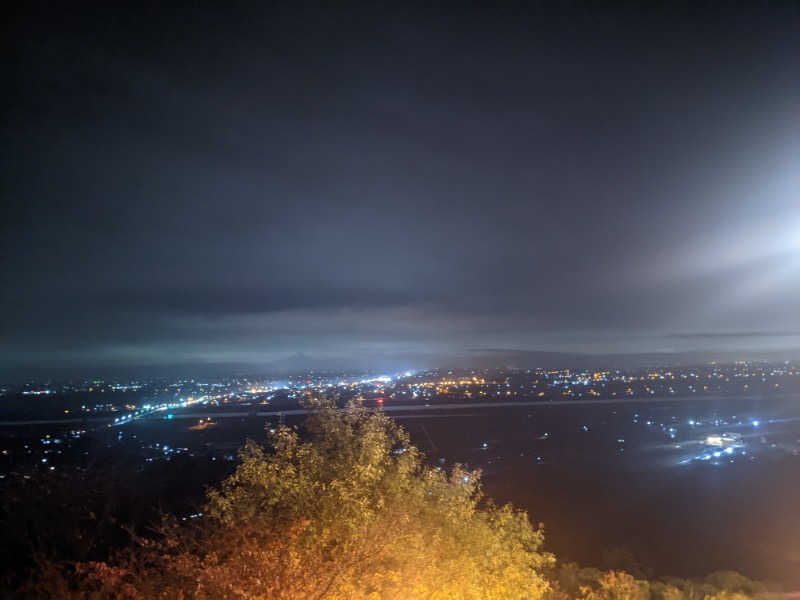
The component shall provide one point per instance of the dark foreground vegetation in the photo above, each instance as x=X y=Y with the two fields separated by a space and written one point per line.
x=342 y=507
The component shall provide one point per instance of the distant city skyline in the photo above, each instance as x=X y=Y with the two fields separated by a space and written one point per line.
x=298 y=186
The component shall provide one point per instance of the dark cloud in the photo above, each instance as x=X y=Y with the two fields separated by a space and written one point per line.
x=210 y=301
x=254 y=182
x=738 y=334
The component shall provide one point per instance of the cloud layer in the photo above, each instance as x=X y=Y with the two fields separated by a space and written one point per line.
x=243 y=183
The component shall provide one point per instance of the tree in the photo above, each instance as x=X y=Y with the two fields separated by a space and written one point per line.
x=345 y=508
x=618 y=585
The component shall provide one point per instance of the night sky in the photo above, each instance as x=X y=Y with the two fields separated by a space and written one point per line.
x=310 y=185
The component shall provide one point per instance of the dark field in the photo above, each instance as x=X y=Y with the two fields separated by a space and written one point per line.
x=594 y=493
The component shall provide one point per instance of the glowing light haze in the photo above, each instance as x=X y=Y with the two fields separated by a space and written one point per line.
x=311 y=184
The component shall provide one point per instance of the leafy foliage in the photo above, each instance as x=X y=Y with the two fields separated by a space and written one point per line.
x=617 y=585
x=588 y=583
x=347 y=510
